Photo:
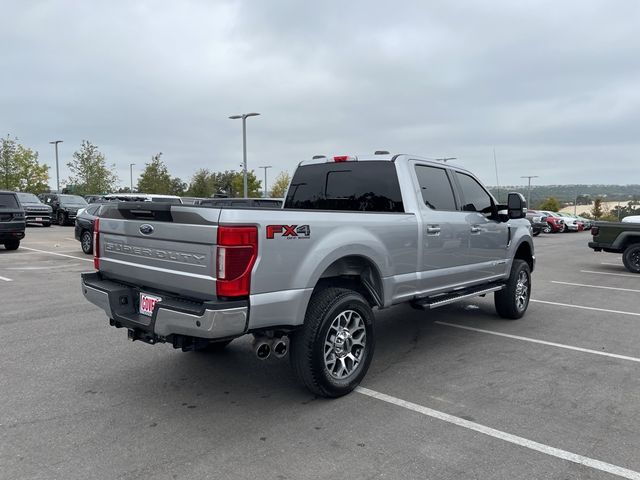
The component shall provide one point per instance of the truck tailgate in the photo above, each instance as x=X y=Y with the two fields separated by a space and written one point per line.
x=145 y=244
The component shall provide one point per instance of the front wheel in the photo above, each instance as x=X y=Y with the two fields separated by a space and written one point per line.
x=332 y=352
x=631 y=258
x=86 y=241
x=547 y=228
x=512 y=301
x=62 y=218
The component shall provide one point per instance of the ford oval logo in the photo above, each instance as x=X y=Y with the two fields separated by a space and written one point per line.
x=146 y=229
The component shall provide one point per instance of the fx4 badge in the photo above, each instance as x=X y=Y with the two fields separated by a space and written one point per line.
x=301 y=232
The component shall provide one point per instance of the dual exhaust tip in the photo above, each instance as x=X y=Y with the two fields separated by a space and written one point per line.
x=265 y=347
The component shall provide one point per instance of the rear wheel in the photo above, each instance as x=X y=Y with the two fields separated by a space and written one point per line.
x=512 y=301
x=12 y=244
x=631 y=258
x=332 y=352
x=86 y=241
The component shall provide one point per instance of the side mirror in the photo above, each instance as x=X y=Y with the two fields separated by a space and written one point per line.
x=516 y=205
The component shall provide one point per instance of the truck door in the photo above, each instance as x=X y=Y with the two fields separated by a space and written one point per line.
x=445 y=234
x=488 y=236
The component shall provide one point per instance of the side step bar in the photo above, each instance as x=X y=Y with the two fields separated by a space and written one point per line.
x=445 y=299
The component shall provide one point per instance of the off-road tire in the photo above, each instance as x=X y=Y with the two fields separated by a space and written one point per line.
x=86 y=242
x=12 y=244
x=307 y=345
x=631 y=258
x=508 y=301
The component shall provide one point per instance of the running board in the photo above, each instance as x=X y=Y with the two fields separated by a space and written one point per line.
x=445 y=299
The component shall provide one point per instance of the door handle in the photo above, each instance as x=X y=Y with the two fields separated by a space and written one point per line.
x=476 y=229
x=433 y=230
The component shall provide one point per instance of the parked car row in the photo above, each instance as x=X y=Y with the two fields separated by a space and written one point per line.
x=557 y=222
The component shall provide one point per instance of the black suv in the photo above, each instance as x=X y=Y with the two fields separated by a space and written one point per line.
x=65 y=207
x=34 y=209
x=12 y=220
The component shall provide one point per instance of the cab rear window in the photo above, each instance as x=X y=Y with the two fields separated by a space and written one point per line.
x=8 y=200
x=370 y=186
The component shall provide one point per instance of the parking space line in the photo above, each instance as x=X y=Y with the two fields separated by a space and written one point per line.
x=507 y=437
x=6 y=279
x=586 y=308
x=614 y=264
x=596 y=286
x=608 y=273
x=542 y=342
x=59 y=254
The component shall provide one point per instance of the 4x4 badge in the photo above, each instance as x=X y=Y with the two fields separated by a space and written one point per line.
x=146 y=229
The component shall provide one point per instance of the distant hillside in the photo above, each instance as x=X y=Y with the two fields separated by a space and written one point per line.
x=567 y=193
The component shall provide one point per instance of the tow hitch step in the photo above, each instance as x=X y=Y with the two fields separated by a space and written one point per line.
x=445 y=299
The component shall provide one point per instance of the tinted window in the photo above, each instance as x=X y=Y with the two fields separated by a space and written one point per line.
x=476 y=199
x=359 y=186
x=72 y=200
x=268 y=203
x=435 y=187
x=8 y=200
x=28 y=198
x=92 y=210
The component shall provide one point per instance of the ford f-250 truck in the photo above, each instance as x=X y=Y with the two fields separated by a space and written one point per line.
x=354 y=234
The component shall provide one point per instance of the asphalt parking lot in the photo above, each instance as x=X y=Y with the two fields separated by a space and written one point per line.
x=451 y=394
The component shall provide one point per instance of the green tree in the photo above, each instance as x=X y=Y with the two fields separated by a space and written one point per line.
x=203 y=184
x=20 y=169
x=597 y=211
x=177 y=187
x=550 y=204
x=155 y=178
x=280 y=185
x=90 y=172
x=253 y=184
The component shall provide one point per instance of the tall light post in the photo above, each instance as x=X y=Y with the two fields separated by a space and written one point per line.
x=265 y=179
x=244 y=117
x=56 y=142
x=529 y=188
x=131 y=175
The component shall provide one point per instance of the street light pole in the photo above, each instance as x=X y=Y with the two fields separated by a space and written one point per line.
x=131 y=175
x=244 y=117
x=265 y=179
x=529 y=188
x=56 y=142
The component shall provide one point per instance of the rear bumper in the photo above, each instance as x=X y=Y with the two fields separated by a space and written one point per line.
x=603 y=247
x=12 y=230
x=173 y=320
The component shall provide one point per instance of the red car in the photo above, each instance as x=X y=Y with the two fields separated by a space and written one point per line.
x=555 y=223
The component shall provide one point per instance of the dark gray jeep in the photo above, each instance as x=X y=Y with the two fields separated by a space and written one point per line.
x=12 y=220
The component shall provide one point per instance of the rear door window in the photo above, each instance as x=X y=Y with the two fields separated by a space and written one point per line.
x=435 y=187
x=370 y=186
x=476 y=198
x=8 y=200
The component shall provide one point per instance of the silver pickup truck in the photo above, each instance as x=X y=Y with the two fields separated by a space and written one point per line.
x=354 y=234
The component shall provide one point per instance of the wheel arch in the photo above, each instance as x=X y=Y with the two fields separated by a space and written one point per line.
x=524 y=251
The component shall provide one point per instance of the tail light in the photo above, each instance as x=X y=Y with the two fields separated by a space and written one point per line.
x=96 y=244
x=237 y=253
x=595 y=231
x=343 y=158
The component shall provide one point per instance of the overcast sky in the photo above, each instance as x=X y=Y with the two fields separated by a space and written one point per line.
x=553 y=86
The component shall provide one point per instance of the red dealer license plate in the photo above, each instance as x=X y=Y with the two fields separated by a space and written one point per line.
x=147 y=302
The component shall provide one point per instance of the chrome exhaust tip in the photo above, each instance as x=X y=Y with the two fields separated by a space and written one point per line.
x=263 y=350
x=280 y=348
